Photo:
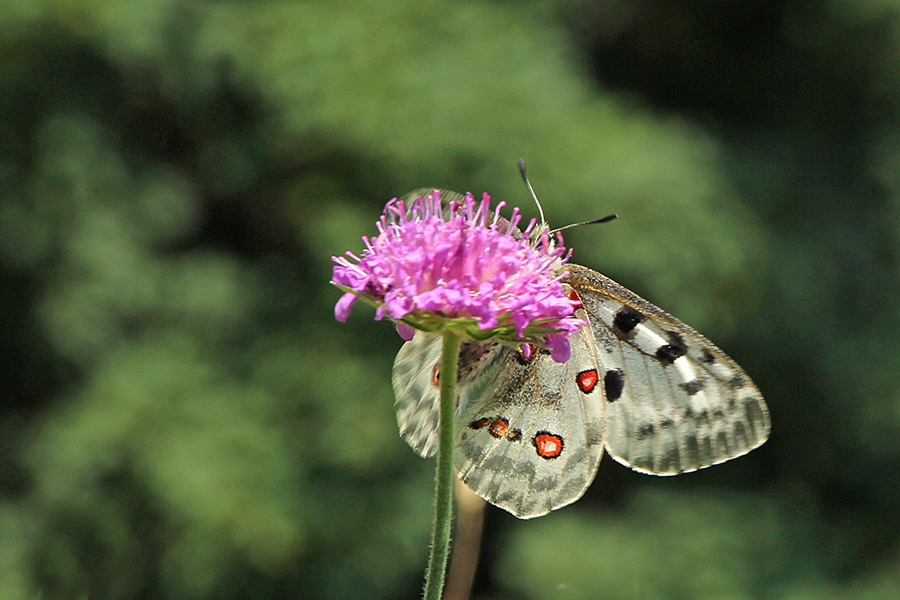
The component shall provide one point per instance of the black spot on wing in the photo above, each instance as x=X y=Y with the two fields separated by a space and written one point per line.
x=625 y=320
x=644 y=431
x=614 y=383
x=676 y=348
x=691 y=387
x=708 y=357
x=736 y=382
x=667 y=354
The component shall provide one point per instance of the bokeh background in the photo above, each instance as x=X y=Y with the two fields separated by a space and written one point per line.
x=181 y=417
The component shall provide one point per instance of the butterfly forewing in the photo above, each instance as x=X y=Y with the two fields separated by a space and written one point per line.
x=534 y=441
x=675 y=402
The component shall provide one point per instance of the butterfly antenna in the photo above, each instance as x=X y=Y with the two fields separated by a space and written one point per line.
x=531 y=190
x=605 y=219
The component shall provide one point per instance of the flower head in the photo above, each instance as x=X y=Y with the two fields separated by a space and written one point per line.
x=465 y=267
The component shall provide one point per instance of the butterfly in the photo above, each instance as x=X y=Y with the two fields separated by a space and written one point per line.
x=530 y=432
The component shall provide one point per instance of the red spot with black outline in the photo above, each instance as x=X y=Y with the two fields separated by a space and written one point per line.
x=480 y=423
x=576 y=299
x=436 y=376
x=548 y=445
x=499 y=427
x=587 y=380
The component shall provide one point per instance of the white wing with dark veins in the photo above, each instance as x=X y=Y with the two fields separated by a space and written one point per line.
x=534 y=442
x=675 y=402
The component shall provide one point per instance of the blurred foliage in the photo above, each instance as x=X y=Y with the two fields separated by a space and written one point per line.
x=182 y=418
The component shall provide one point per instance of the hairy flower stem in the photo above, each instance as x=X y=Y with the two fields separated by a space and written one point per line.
x=443 y=486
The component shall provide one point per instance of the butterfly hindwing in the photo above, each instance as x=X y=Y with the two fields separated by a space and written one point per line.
x=416 y=382
x=674 y=401
x=533 y=442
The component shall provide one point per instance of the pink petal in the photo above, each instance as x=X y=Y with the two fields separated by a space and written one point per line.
x=561 y=351
x=342 y=308
x=405 y=331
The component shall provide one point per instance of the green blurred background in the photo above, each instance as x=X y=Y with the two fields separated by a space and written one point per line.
x=181 y=416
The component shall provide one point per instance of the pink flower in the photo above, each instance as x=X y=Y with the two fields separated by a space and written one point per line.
x=467 y=268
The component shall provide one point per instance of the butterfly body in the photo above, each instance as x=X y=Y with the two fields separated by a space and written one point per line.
x=530 y=432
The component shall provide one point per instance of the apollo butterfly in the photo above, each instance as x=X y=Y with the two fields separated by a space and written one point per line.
x=530 y=432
